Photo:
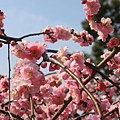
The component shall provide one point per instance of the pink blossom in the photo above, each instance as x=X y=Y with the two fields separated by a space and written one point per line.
x=88 y=17
x=86 y=70
x=106 y=54
x=25 y=103
x=14 y=94
x=105 y=104
x=79 y=58
x=30 y=72
x=46 y=90
x=75 y=93
x=38 y=109
x=4 y=85
x=113 y=42
x=58 y=32
x=58 y=97
x=117 y=71
x=91 y=7
x=62 y=53
x=83 y=38
x=15 y=108
x=54 y=80
x=117 y=58
x=103 y=27
x=36 y=49
x=61 y=32
x=19 y=50
x=49 y=38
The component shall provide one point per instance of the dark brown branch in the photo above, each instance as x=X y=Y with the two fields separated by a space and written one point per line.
x=4 y=42
x=103 y=75
x=52 y=51
x=13 y=115
x=35 y=34
x=8 y=39
x=102 y=64
x=66 y=102
x=114 y=110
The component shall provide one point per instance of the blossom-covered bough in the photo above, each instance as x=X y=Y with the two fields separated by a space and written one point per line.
x=75 y=88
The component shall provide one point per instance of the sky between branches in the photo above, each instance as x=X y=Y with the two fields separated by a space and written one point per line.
x=31 y=16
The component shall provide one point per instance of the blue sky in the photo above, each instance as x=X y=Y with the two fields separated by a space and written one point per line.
x=31 y=16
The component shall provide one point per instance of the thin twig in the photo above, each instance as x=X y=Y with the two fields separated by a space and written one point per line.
x=9 y=68
x=50 y=74
x=35 y=34
x=9 y=71
x=12 y=114
x=116 y=109
x=103 y=75
x=32 y=108
x=8 y=39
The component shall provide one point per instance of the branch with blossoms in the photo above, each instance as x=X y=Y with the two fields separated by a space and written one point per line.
x=49 y=59
x=69 y=87
x=66 y=102
x=13 y=115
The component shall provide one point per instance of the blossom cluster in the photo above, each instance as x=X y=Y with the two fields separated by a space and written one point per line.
x=48 y=93
x=59 y=32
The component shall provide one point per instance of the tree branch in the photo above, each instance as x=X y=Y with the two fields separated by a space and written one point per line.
x=32 y=108
x=46 y=58
x=8 y=39
x=13 y=115
x=66 y=102
x=102 y=63
x=96 y=69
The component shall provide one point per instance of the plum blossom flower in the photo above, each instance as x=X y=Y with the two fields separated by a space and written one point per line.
x=19 y=50
x=29 y=50
x=78 y=58
x=18 y=82
x=51 y=37
x=30 y=72
x=75 y=93
x=46 y=90
x=58 y=32
x=62 y=32
x=4 y=85
x=58 y=97
x=36 y=49
x=113 y=42
x=83 y=38
x=62 y=53
x=91 y=7
x=103 y=27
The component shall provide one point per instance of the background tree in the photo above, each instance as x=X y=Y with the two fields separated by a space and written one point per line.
x=111 y=9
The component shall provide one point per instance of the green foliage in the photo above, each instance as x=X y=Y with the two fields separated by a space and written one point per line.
x=111 y=9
